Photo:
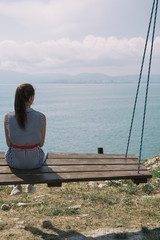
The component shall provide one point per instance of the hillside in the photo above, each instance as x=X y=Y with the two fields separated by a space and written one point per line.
x=82 y=78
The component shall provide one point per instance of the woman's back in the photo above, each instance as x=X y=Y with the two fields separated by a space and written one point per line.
x=31 y=134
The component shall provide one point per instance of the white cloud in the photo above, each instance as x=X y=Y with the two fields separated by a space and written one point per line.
x=42 y=20
x=49 y=19
x=95 y=54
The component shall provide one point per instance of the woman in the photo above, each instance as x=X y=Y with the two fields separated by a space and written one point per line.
x=25 y=131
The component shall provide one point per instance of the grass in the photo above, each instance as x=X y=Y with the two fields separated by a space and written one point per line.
x=130 y=189
x=62 y=212
x=51 y=214
x=156 y=173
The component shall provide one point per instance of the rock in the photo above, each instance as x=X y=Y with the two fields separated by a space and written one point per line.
x=20 y=204
x=5 y=207
x=20 y=226
x=20 y=222
x=157 y=181
x=101 y=185
x=47 y=224
x=84 y=215
x=41 y=196
x=91 y=184
x=75 y=207
x=146 y=196
x=15 y=219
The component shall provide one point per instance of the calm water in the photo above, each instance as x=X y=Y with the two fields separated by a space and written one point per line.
x=81 y=118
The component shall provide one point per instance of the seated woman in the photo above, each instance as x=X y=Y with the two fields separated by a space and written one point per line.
x=25 y=131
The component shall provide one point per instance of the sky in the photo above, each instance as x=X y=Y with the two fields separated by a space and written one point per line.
x=76 y=36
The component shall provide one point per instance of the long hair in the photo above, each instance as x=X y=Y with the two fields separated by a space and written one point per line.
x=22 y=96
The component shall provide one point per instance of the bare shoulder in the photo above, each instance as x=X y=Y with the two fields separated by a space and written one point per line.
x=5 y=117
x=44 y=117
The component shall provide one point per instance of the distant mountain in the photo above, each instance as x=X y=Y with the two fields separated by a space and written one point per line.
x=82 y=78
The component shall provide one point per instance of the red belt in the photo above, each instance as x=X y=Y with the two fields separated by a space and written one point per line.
x=25 y=147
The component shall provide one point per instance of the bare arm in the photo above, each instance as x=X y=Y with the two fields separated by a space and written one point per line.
x=6 y=131
x=43 y=131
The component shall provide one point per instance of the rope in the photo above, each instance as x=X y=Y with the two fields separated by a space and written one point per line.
x=149 y=70
x=140 y=76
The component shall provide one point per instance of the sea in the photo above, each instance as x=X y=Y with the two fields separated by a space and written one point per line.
x=83 y=117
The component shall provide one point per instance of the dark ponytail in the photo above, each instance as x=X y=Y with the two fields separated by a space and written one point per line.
x=22 y=96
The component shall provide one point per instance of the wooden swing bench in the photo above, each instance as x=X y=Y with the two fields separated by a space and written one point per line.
x=76 y=167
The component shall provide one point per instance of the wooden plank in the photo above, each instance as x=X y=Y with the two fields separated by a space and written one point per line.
x=81 y=168
x=76 y=158
x=58 y=162
x=80 y=161
x=87 y=155
x=100 y=175
x=70 y=177
x=81 y=155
